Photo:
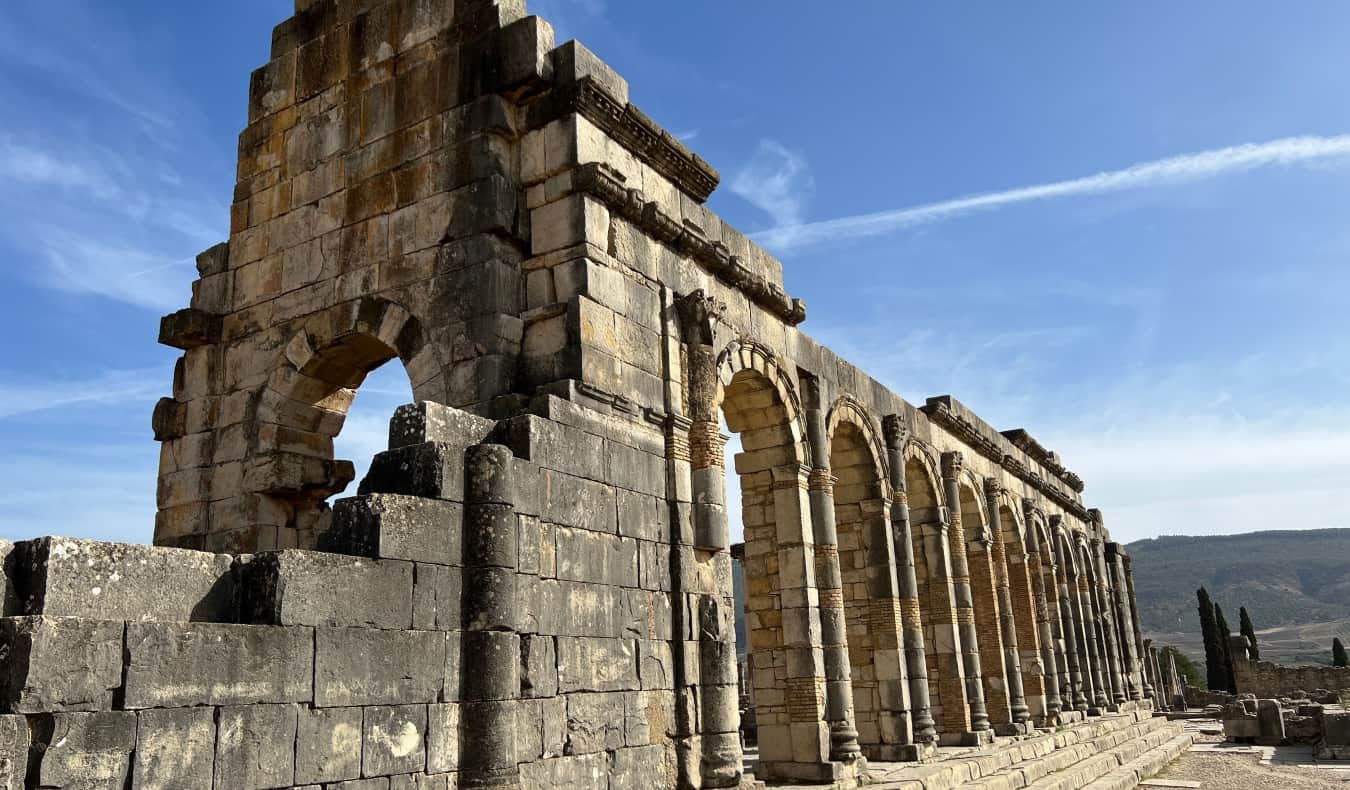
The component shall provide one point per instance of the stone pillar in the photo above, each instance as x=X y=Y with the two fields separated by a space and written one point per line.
x=1037 y=572
x=1012 y=660
x=834 y=641
x=1074 y=646
x=965 y=607
x=708 y=737
x=1134 y=613
x=491 y=644
x=1100 y=694
x=925 y=729
x=1116 y=566
x=1106 y=622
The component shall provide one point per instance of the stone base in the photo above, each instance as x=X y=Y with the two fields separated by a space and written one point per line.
x=784 y=771
x=1013 y=728
x=900 y=752
x=1070 y=716
x=966 y=738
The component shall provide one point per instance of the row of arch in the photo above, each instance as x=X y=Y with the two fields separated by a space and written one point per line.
x=896 y=598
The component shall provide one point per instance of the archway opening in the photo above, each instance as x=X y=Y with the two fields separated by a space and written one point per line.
x=932 y=572
x=1022 y=578
x=981 y=555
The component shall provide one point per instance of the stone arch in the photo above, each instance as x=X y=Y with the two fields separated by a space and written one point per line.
x=1022 y=573
x=869 y=587
x=981 y=547
x=929 y=523
x=303 y=404
x=759 y=402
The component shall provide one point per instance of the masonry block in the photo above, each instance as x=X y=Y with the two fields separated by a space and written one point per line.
x=328 y=745
x=13 y=752
x=82 y=749
x=437 y=596
x=394 y=740
x=595 y=722
x=59 y=664
x=419 y=423
x=358 y=666
x=65 y=577
x=185 y=664
x=174 y=748
x=394 y=526
x=314 y=588
x=255 y=747
x=594 y=664
x=430 y=469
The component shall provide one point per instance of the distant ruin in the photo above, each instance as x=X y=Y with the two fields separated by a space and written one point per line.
x=532 y=587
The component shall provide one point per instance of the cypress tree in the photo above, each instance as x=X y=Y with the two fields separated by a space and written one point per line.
x=1245 y=626
x=1224 y=635
x=1338 y=657
x=1213 y=658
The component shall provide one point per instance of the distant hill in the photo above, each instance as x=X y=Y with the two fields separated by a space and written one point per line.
x=1295 y=584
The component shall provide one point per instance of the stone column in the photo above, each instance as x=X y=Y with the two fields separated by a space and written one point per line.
x=1134 y=614
x=1106 y=624
x=1012 y=660
x=1114 y=552
x=952 y=463
x=708 y=738
x=1074 y=646
x=1100 y=695
x=1036 y=572
x=834 y=640
x=491 y=644
x=925 y=729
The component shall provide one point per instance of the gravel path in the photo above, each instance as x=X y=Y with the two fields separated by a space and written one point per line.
x=1245 y=772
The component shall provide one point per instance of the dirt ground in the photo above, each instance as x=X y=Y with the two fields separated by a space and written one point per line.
x=1234 y=770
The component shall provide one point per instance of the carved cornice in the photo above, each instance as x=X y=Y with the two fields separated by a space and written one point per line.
x=607 y=185
x=1045 y=457
x=968 y=433
x=640 y=135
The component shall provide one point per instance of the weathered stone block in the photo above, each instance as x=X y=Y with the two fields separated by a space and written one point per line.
x=59 y=663
x=314 y=588
x=174 y=748
x=576 y=502
x=582 y=772
x=358 y=666
x=417 y=423
x=10 y=605
x=596 y=557
x=13 y=752
x=645 y=766
x=328 y=745
x=395 y=740
x=189 y=328
x=255 y=747
x=431 y=470
x=437 y=594
x=393 y=526
x=443 y=737
x=183 y=664
x=84 y=750
x=538 y=666
x=424 y=782
x=595 y=722
x=594 y=664
x=64 y=577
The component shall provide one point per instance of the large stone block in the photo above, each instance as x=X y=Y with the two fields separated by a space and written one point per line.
x=255 y=747
x=577 y=502
x=10 y=605
x=395 y=740
x=359 y=666
x=582 y=772
x=586 y=556
x=65 y=577
x=393 y=526
x=437 y=597
x=416 y=423
x=432 y=470
x=175 y=748
x=443 y=731
x=59 y=663
x=13 y=752
x=328 y=745
x=538 y=666
x=184 y=664
x=596 y=664
x=82 y=750
x=595 y=722
x=314 y=588
x=645 y=766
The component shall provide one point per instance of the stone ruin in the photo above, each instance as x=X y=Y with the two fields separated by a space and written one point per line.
x=532 y=587
x=1286 y=713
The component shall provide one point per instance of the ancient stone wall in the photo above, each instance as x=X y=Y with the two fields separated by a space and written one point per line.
x=532 y=586
x=1265 y=679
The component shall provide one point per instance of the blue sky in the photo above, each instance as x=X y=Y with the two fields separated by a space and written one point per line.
x=1152 y=276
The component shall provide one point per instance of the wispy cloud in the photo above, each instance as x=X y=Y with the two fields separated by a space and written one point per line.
x=776 y=180
x=20 y=395
x=1163 y=172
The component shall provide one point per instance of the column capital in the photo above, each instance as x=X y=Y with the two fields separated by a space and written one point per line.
x=896 y=430
x=952 y=463
x=698 y=314
x=992 y=487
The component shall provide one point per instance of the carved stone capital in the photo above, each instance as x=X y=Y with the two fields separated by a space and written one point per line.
x=952 y=463
x=895 y=429
x=698 y=314
x=992 y=487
